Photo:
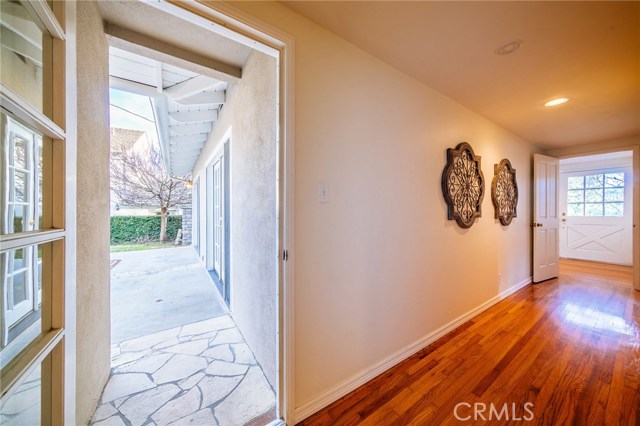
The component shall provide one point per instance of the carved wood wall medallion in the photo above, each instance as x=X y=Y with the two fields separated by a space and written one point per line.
x=504 y=192
x=463 y=185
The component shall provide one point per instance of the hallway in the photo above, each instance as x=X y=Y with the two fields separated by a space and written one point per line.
x=570 y=347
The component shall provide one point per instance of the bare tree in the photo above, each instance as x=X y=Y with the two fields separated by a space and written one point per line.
x=139 y=178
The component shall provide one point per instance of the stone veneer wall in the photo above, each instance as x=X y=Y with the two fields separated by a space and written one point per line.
x=186 y=224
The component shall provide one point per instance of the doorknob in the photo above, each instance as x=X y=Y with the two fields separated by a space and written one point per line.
x=536 y=225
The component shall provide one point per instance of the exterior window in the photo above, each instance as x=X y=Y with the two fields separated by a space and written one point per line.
x=595 y=195
x=23 y=38
x=33 y=143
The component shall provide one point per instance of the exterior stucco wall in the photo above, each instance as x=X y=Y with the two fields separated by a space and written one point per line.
x=93 y=327
x=250 y=113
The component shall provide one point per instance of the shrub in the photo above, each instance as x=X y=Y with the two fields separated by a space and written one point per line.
x=140 y=229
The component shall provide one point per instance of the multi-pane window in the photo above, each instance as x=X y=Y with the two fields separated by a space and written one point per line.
x=600 y=194
x=33 y=148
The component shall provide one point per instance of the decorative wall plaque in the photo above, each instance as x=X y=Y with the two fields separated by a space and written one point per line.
x=504 y=192
x=463 y=185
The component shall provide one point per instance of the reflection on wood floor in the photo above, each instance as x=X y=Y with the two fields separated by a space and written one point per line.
x=569 y=346
x=593 y=271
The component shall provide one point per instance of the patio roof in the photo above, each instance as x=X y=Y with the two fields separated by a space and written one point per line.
x=185 y=104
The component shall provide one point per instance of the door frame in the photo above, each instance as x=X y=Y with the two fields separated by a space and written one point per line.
x=241 y=27
x=55 y=349
x=636 y=199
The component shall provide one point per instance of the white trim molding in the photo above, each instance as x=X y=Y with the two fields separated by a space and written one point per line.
x=323 y=400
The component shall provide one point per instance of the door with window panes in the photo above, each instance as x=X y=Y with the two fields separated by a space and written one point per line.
x=596 y=220
x=32 y=219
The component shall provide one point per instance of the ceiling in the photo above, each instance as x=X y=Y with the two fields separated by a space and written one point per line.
x=588 y=52
x=185 y=104
x=166 y=28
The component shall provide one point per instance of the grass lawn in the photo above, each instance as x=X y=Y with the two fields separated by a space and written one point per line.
x=141 y=246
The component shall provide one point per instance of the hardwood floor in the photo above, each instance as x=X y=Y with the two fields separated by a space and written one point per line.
x=593 y=271
x=569 y=346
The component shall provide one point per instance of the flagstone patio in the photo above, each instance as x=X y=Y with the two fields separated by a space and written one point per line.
x=198 y=374
x=177 y=357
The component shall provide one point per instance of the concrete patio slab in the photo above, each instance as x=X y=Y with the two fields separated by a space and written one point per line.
x=154 y=290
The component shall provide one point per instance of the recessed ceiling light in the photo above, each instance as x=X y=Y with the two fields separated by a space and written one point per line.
x=509 y=47
x=556 y=101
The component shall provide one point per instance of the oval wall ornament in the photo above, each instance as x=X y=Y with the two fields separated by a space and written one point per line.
x=504 y=192
x=463 y=185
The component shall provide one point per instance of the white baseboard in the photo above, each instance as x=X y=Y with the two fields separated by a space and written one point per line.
x=362 y=377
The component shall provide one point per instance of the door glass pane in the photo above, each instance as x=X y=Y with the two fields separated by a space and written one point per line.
x=575 y=209
x=21 y=285
x=20 y=189
x=575 y=196
x=20 y=292
x=614 y=180
x=613 y=194
x=23 y=406
x=19 y=152
x=614 y=209
x=594 y=181
x=593 y=195
x=593 y=209
x=21 y=59
x=575 y=182
x=16 y=212
x=21 y=161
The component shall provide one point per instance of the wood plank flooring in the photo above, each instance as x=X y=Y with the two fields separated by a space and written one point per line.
x=568 y=346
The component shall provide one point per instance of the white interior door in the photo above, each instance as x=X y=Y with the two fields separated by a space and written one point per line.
x=217 y=217
x=596 y=210
x=545 y=218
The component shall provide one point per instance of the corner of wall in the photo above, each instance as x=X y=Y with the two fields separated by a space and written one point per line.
x=93 y=355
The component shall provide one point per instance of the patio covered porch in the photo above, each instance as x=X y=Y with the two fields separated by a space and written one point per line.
x=177 y=355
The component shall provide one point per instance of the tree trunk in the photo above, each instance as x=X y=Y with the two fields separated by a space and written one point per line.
x=163 y=223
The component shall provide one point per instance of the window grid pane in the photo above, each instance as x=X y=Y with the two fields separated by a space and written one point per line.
x=614 y=180
x=614 y=209
x=21 y=281
x=596 y=195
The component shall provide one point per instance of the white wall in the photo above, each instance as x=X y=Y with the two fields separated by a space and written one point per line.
x=249 y=118
x=379 y=267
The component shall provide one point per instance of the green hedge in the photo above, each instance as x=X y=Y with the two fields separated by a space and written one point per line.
x=138 y=229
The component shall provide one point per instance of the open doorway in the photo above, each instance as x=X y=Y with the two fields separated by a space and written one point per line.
x=586 y=209
x=200 y=117
x=596 y=204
